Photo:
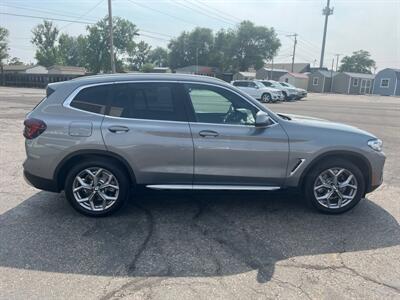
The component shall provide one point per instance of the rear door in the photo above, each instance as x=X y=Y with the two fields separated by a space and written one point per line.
x=228 y=148
x=146 y=124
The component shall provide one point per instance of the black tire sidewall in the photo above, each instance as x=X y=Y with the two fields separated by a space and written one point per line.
x=120 y=175
x=322 y=166
x=267 y=96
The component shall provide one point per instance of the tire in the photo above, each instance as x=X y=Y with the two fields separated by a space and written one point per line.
x=266 y=98
x=334 y=205
x=105 y=201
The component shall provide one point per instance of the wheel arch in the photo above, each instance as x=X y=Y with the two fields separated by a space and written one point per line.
x=358 y=159
x=62 y=169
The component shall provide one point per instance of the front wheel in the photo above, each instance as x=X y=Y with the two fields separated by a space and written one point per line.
x=334 y=186
x=96 y=188
x=266 y=98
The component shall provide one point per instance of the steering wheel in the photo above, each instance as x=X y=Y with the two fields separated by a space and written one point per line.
x=234 y=116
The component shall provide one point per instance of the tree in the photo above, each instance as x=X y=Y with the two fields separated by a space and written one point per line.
x=45 y=39
x=72 y=50
x=3 y=44
x=253 y=45
x=359 y=62
x=15 y=61
x=147 y=68
x=158 y=57
x=191 y=48
x=230 y=50
x=139 y=55
x=98 y=50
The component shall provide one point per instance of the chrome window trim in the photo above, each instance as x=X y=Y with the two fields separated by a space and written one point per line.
x=70 y=98
x=212 y=187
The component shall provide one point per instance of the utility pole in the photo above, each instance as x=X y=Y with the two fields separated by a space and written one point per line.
x=110 y=25
x=337 y=60
x=327 y=11
x=272 y=68
x=294 y=48
x=333 y=62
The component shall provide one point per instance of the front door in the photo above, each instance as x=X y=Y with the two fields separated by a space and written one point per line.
x=365 y=86
x=228 y=148
x=147 y=125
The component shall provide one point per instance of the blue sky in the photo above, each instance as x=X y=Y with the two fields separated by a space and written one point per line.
x=373 y=25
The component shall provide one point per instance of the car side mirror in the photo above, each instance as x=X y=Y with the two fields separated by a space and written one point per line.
x=263 y=119
x=256 y=87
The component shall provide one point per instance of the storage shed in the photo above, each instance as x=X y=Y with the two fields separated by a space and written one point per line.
x=244 y=76
x=353 y=83
x=299 y=80
x=320 y=81
x=387 y=82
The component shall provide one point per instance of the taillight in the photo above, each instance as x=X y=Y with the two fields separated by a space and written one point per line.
x=33 y=128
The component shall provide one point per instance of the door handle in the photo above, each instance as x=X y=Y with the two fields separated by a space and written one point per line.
x=208 y=133
x=118 y=129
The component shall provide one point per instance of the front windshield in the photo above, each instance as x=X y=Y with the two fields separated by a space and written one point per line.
x=259 y=84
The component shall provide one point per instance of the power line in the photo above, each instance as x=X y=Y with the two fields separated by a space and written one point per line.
x=46 y=18
x=84 y=14
x=161 y=12
x=200 y=11
x=235 y=19
x=205 y=10
x=43 y=10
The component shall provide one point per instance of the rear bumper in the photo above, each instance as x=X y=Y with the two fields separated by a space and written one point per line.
x=41 y=183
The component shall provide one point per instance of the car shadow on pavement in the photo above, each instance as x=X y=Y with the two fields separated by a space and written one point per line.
x=181 y=234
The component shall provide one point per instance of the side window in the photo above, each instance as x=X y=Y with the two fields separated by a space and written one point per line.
x=266 y=83
x=153 y=101
x=384 y=82
x=315 y=81
x=219 y=106
x=93 y=99
x=355 y=82
x=251 y=84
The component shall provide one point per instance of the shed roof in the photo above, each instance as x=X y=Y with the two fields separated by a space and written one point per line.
x=326 y=73
x=297 y=67
x=67 y=68
x=18 y=67
x=298 y=75
x=360 y=75
x=248 y=74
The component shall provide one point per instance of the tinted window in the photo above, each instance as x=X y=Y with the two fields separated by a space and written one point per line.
x=240 y=83
x=217 y=105
x=266 y=83
x=93 y=99
x=155 y=101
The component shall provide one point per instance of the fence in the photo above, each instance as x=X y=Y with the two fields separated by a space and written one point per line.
x=33 y=80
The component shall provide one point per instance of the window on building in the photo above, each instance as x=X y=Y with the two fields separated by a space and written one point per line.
x=355 y=81
x=385 y=82
x=315 y=81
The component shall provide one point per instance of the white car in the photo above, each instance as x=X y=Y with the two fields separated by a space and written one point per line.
x=258 y=91
x=301 y=93
x=288 y=92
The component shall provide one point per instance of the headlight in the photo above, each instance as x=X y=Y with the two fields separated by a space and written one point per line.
x=376 y=144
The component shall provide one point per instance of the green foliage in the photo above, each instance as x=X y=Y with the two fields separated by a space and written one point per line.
x=139 y=56
x=147 y=68
x=71 y=50
x=230 y=50
x=158 y=57
x=191 y=48
x=45 y=39
x=98 y=50
x=359 y=62
x=15 y=61
x=3 y=44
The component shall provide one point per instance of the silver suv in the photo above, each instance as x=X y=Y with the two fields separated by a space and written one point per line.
x=96 y=137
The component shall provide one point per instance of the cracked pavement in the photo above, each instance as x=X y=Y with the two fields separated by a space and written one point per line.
x=184 y=245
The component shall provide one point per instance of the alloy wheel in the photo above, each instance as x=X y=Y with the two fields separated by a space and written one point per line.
x=95 y=189
x=335 y=188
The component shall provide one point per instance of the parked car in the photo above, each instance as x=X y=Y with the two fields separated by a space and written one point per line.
x=99 y=136
x=288 y=93
x=259 y=91
x=301 y=93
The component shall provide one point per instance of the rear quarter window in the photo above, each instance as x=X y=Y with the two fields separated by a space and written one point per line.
x=93 y=99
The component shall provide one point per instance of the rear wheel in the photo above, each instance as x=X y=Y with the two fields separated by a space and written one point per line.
x=96 y=188
x=334 y=186
x=266 y=98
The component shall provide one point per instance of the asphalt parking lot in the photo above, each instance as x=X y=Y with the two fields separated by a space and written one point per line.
x=172 y=245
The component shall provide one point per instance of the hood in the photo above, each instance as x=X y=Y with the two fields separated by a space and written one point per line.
x=321 y=123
